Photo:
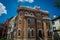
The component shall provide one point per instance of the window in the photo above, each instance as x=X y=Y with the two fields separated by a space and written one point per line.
x=29 y=21
x=53 y=22
x=54 y=28
x=40 y=33
x=38 y=24
x=31 y=13
x=47 y=23
x=32 y=22
x=9 y=28
x=20 y=21
x=26 y=13
x=20 y=13
x=59 y=21
x=38 y=16
x=18 y=32
x=32 y=33
x=5 y=28
x=28 y=33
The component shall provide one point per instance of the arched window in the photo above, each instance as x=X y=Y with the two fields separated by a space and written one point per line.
x=26 y=13
x=20 y=13
x=31 y=13
x=32 y=32
x=29 y=21
x=18 y=32
x=20 y=21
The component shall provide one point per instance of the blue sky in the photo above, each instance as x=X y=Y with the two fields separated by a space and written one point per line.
x=11 y=7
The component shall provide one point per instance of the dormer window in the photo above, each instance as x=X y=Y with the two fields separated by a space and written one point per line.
x=26 y=13
x=20 y=13
x=31 y=13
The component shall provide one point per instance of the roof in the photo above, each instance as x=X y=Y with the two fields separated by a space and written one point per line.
x=10 y=18
x=33 y=9
x=56 y=18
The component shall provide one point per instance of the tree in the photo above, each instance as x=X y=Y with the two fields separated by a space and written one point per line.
x=58 y=28
x=57 y=4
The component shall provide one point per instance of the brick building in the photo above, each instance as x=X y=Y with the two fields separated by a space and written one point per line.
x=31 y=24
x=3 y=29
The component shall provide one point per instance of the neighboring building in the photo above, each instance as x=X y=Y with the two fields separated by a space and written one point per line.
x=31 y=24
x=56 y=22
x=56 y=27
x=10 y=33
x=3 y=29
x=0 y=30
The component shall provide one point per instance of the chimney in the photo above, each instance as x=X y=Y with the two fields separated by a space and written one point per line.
x=54 y=16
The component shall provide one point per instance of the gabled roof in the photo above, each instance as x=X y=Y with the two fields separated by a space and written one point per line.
x=10 y=18
x=56 y=18
x=13 y=17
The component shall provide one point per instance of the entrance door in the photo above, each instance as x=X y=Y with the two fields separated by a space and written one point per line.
x=40 y=34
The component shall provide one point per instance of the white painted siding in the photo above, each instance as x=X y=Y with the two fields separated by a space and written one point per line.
x=57 y=24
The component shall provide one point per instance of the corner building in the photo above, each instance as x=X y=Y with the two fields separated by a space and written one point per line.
x=30 y=24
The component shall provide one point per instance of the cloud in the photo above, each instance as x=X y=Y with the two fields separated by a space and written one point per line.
x=2 y=9
x=30 y=1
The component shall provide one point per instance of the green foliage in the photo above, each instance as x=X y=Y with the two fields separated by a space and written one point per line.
x=57 y=4
x=58 y=28
x=3 y=38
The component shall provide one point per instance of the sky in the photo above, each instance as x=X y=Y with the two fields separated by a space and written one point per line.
x=8 y=7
